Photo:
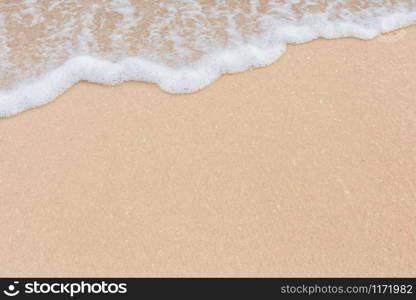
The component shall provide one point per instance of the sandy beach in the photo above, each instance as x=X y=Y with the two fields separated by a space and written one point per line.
x=306 y=167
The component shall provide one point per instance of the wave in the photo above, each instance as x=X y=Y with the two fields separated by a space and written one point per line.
x=49 y=45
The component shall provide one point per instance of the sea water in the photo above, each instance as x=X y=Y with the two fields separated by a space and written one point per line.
x=46 y=46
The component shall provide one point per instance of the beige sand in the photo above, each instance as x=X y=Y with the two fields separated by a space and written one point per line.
x=303 y=168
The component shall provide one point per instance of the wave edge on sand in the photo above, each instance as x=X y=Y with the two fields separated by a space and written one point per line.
x=262 y=50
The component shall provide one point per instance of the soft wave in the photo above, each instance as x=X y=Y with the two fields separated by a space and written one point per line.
x=47 y=46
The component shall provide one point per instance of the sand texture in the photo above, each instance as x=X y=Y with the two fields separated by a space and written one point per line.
x=303 y=168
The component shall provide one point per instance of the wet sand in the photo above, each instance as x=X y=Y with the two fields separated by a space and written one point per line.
x=306 y=167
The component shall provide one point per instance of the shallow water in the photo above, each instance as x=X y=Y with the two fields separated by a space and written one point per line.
x=46 y=46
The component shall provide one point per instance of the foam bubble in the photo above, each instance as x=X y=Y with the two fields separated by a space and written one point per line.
x=183 y=52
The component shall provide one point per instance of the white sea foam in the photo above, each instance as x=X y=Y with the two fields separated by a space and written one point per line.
x=180 y=45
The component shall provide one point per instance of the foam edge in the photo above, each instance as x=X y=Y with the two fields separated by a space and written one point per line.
x=187 y=79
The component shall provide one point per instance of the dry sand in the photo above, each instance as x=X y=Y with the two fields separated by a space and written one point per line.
x=303 y=168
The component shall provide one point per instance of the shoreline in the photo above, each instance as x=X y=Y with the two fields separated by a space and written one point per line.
x=190 y=79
